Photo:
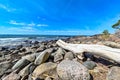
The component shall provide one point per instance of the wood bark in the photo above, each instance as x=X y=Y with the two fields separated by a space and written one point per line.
x=95 y=49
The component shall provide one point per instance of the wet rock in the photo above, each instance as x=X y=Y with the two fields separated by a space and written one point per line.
x=44 y=69
x=23 y=49
x=43 y=56
x=30 y=57
x=12 y=76
x=20 y=64
x=114 y=73
x=3 y=48
x=72 y=70
x=69 y=55
x=59 y=55
x=4 y=66
x=89 y=64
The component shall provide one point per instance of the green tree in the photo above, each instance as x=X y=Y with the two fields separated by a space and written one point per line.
x=116 y=25
x=106 y=32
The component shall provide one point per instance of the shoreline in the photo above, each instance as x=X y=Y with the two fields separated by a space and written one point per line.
x=11 y=55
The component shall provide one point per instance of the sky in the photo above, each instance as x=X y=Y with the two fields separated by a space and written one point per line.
x=58 y=17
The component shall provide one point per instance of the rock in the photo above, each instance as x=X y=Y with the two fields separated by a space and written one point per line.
x=72 y=70
x=30 y=57
x=25 y=71
x=43 y=69
x=23 y=49
x=30 y=77
x=39 y=49
x=15 y=52
x=20 y=64
x=89 y=64
x=113 y=73
x=48 y=78
x=69 y=55
x=59 y=55
x=43 y=56
x=12 y=76
x=4 y=66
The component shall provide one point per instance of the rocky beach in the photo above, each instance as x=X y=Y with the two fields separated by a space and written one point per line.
x=45 y=60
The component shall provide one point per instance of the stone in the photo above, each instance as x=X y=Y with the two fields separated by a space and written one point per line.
x=59 y=55
x=113 y=73
x=48 y=78
x=20 y=64
x=4 y=66
x=72 y=70
x=30 y=57
x=15 y=51
x=30 y=77
x=69 y=55
x=25 y=71
x=89 y=64
x=12 y=76
x=44 y=69
x=43 y=56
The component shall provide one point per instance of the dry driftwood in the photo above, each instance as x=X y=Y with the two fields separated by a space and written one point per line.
x=100 y=50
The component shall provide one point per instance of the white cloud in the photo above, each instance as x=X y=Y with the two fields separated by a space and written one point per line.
x=16 y=23
x=22 y=29
x=8 y=9
x=13 y=22
x=42 y=25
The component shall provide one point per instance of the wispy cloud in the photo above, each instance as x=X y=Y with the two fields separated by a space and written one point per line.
x=16 y=23
x=22 y=29
x=7 y=8
x=71 y=32
x=13 y=22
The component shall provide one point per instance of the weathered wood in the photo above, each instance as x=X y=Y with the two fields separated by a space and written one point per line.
x=95 y=49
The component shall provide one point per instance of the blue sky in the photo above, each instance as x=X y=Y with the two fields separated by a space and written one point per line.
x=58 y=17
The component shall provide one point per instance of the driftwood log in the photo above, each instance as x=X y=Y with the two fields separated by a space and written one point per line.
x=95 y=49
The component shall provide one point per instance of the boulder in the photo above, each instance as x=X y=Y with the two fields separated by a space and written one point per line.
x=4 y=66
x=43 y=56
x=59 y=55
x=44 y=70
x=21 y=64
x=114 y=73
x=72 y=70
x=12 y=76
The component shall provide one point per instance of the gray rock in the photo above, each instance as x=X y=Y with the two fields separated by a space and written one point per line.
x=4 y=66
x=72 y=70
x=43 y=56
x=20 y=64
x=69 y=55
x=114 y=73
x=12 y=76
x=30 y=57
x=30 y=77
x=59 y=55
x=44 y=69
x=25 y=71
x=89 y=64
